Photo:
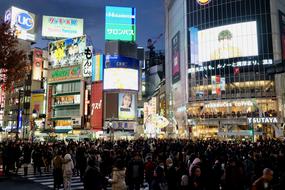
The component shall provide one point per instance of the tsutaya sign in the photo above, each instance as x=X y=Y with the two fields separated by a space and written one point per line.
x=260 y=120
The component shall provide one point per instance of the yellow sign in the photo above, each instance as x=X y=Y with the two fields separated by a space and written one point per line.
x=37 y=103
x=203 y=2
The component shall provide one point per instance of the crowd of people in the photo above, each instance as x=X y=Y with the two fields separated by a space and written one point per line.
x=162 y=164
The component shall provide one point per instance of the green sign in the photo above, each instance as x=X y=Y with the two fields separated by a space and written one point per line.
x=65 y=73
x=120 y=23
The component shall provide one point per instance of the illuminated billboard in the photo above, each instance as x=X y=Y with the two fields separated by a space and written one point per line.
x=37 y=103
x=120 y=23
x=282 y=33
x=120 y=78
x=175 y=51
x=97 y=67
x=126 y=106
x=67 y=52
x=64 y=74
x=37 y=64
x=61 y=27
x=87 y=64
x=23 y=22
x=229 y=41
x=96 y=119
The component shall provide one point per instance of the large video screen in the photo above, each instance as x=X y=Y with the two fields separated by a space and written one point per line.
x=120 y=78
x=127 y=106
x=229 y=41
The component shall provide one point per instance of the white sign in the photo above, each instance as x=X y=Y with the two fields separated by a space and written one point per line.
x=229 y=41
x=23 y=22
x=120 y=79
x=262 y=120
x=61 y=27
x=230 y=104
x=87 y=65
x=96 y=106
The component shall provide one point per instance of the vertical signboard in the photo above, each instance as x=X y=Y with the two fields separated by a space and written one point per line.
x=120 y=23
x=37 y=101
x=175 y=43
x=282 y=33
x=37 y=64
x=96 y=119
x=49 y=103
x=194 y=45
x=127 y=106
x=87 y=65
x=97 y=68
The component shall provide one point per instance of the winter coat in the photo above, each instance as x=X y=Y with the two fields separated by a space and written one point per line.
x=118 y=179
x=67 y=166
x=93 y=179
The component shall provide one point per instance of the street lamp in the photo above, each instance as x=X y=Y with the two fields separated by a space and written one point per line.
x=34 y=115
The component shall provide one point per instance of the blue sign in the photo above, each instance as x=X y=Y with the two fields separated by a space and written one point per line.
x=25 y=21
x=121 y=62
x=121 y=15
x=20 y=119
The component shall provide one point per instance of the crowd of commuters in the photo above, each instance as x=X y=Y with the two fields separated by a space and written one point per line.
x=162 y=164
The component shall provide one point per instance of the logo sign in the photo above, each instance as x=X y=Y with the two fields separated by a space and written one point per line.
x=66 y=73
x=62 y=27
x=262 y=120
x=87 y=65
x=25 y=21
x=203 y=2
x=96 y=119
x=120 y=23
x=121 y=62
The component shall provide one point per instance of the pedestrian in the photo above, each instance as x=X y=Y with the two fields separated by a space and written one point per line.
x=195 y=181
x=263 y=183
x=119 y=176
x=67 y=171
x=93 y=179
x=170 y=174
x=135 y=172
x=57 y=170
x=149 y=169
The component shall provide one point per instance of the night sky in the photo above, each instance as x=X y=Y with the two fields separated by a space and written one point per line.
x=150 y=16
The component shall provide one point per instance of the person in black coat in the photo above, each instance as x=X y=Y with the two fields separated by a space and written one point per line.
x=92 y=177
x=26 y=158
x=170 y=174
x=135 y=173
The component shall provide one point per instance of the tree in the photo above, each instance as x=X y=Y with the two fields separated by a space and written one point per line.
x=13 y=60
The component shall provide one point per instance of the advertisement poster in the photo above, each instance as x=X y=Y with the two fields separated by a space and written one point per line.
x=121 y=62
x=23 y=21
x=97 y=67
x=96 y=119
x=229 y=41
x=282 y=33
x=121 y=78
x=37 y=103
x=127 y=106
x=175 y=43
x=37 y=64
x=61 y=27
x=214 y=84
x=120 y=23
x=87 y=64
x=49 y=103
x=194 y=45
x=67 y=52
x=66 y=73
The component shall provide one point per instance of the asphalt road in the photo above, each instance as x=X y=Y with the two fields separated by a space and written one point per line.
x=18 y=183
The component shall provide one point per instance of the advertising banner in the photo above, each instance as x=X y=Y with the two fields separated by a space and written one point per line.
x=121 y=62
x=37 y=103
x=67 y=52
x=20 y=119
x=49 y=103
x=66 y=73
x=97 y=67
x=37 y=64
x=194 y=45
x=121 y=79
x=96 y=119
x=229 y=41
x=282 y=33
x=214 y=84
x=175 y=51
x=223 y=84
x=87 y=65
x=120 y=23
x=61 y=27
x=23 y=22
x=127 y=106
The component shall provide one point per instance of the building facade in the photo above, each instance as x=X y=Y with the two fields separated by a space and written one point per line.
x=221 y=55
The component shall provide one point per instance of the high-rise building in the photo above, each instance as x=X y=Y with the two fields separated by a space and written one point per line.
x=218 y=57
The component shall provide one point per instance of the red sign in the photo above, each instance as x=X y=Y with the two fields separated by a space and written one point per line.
x=96 y=119
x=37 y=64
x=49 y=106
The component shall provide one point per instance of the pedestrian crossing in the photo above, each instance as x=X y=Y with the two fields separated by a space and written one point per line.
x=46 y=179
